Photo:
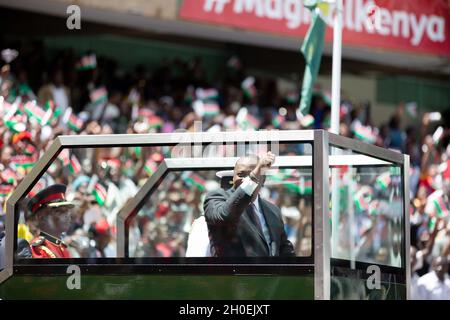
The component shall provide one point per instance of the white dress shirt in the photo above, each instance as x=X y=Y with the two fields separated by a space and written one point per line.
x=415 y=287
x=431 y=288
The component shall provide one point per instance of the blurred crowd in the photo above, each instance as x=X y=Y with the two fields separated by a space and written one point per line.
x=42 y=98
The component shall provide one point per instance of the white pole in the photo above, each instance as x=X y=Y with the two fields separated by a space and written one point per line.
x=336 y=76
x=335 y=105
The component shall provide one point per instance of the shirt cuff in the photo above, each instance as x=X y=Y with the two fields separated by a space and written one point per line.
x=248 y=185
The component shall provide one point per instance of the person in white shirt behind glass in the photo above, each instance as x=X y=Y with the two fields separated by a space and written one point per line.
x=435 y=285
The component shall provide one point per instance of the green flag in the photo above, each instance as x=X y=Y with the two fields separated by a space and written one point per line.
x=312 y=51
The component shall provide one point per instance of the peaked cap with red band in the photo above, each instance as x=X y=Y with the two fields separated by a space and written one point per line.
x=21 y=136
x=53 y=196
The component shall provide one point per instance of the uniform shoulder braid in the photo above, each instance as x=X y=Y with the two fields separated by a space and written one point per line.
x=39 y=241
x=51 y=238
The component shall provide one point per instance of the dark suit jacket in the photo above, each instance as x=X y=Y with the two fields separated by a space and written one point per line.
x=233 y=233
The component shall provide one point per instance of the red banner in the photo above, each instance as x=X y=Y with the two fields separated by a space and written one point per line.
x=415 y=26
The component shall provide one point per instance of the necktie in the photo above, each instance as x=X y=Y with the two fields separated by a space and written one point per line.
x=254 y=217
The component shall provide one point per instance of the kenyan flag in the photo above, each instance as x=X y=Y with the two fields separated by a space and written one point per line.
x=56 y=113
x=384 y=180
x=87 y=62
x=440 y=206
x=155 y=122
x=99 y=96
x=194 y=180
x=278 y=121
x=278 y=177
x=50 y=105
x=307 y=121
x=207 y=94
x=34 y=111
x=291 y=180
x=40 y=185
x=74 y=165
x=15 y=124
x=144 y=114
x=292 y=184
x=248 y=86
x=22 y=161
x=100 y=193
x=431 y=223
x=284 y=178
x=150 y=167
x=10 y=109
x=8 y=175
x=75 y=123
x=210 y=109
x=305 y=187
x=247 y=121
x=364 y=134
x=362 y=199
x=64 y=156
x=252 y=122
x=5 y=190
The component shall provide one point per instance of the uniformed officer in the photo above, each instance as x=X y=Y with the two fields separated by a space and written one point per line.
x=52 y=214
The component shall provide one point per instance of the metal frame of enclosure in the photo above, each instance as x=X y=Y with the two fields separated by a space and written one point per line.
x=320 y=161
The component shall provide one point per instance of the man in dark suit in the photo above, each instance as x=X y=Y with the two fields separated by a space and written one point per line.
x=240 y=223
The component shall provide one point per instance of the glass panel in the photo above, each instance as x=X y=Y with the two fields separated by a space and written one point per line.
x=171 y=222
x=71 y=210
x=349 y=284
x=367 y=204
x=175 y=211
x=76 y=201
x=2 y=230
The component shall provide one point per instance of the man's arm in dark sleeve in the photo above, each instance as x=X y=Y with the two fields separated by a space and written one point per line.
x=219 y=208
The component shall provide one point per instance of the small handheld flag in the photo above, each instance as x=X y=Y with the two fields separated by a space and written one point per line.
x=100 y=193
x=249 y=88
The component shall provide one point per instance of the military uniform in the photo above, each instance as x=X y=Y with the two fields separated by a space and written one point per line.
x=47 y=246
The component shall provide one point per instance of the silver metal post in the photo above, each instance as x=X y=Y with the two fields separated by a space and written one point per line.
x=321 y=217
x=407 y=239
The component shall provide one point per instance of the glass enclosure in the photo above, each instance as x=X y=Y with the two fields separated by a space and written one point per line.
x=140 y=199
x=367 y=202
x=367 y=225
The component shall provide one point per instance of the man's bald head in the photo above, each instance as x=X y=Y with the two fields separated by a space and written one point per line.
x=440 y=266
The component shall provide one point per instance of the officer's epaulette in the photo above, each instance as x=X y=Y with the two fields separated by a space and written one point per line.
x=39 y=242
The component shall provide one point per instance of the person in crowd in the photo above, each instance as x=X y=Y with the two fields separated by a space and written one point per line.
x=55 y=91
x=52 y=213
x=100 y=233
x=435 y=285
